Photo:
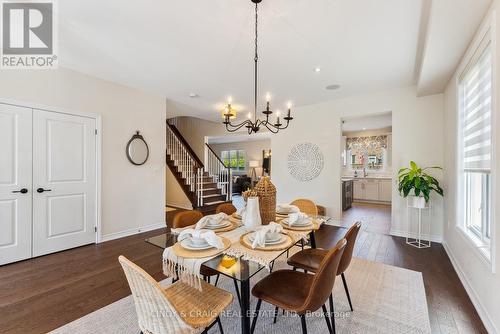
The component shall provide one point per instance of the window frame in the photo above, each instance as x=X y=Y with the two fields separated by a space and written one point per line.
x=485 y=251
x=239 y=155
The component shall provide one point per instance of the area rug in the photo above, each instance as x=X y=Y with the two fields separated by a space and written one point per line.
x=386 y=299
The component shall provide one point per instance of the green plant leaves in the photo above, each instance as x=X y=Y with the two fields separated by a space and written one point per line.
x=416 y=179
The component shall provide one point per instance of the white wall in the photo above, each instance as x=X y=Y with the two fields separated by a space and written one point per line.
x=132 y=196
x=476 y=274
x=417 y=135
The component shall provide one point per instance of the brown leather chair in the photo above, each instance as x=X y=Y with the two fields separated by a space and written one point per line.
x=188 y=218
x=227 y=208
x=310 y=259
x=306 y=206
x=300 y=292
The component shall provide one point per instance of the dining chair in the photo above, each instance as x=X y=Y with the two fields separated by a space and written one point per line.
x=188 y=218
x=310 y=259
x=306 y=206
x=300 y=292
x=227 y=208
x=178 y=308
x=309 y=208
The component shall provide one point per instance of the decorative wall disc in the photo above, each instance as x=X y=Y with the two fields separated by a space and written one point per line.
x=305 y=161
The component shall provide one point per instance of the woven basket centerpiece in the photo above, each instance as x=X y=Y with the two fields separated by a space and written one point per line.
x=266 y=191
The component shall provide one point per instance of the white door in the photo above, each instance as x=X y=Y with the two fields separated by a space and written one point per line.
x=64 y=181
x=15 y=183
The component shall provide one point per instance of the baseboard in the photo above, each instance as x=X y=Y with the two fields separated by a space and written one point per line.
x=401 y=233
x=180 y=205
x=485 y=318
x=132 y=231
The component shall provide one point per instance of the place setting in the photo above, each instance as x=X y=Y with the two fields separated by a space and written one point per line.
x=267 y=238
x=217 y=223
x=284 y=209
x=199 y=243
x=299 y=222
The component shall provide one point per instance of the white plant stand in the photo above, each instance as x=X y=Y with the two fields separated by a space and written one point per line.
x=416 y=239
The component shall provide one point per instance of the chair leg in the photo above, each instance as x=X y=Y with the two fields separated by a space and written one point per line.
x=220 y=325
x=347 y=291
x=272 y=267
x=325 y=314
x=302 y=243
x=294 y=268
x=332 y=313
x=237 y=291
x=303 y=322
x=275 y=314
x=254 y=322
x=217 y=279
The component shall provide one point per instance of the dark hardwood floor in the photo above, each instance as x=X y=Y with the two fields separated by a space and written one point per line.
x=41 y=294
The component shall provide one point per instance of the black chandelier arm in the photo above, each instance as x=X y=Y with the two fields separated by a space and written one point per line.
x=271 y=126
x=236 y=127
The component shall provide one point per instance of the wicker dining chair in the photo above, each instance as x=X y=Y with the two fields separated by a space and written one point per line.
x=299 y=292
x=179 y=308
x=227 y=208
x=306 y=206
x=188 y=218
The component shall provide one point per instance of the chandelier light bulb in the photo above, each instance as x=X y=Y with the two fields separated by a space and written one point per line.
x=249 y=115
x=268 y=97
x=229 y=100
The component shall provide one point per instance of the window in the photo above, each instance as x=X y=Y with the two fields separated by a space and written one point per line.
x=476 y=149
x=235 y=159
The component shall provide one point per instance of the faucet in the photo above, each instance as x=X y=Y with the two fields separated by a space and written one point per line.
x=365 y=174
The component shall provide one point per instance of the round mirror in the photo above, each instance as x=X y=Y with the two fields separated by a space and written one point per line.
x=137 y=150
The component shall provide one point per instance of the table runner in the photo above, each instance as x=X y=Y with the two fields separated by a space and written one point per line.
x=187 y=270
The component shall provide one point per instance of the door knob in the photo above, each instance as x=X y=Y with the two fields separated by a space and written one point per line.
x=41 y=190
x=22 y=191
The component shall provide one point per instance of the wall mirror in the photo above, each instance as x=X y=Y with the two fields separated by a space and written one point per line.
x=137 y=150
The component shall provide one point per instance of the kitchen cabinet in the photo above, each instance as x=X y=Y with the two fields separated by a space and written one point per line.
x=372 y=190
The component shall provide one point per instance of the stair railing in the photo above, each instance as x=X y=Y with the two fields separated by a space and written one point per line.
x=220 y=173
x=187 y=163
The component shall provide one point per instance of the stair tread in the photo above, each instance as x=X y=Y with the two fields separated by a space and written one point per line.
x=212 y=203
x=213 y=195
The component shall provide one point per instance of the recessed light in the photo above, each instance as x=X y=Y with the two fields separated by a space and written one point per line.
x=317 y=69
x=333 y=87
x=193 y=95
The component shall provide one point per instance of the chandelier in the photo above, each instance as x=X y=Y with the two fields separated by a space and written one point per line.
x=253 y=126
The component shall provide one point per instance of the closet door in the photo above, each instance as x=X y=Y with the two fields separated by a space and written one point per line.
x=64 y=181
x=15 y=183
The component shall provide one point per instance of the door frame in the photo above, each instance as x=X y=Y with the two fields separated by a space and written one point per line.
x=98 y=121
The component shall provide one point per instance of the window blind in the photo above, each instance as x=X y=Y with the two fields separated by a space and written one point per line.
x=476 y=93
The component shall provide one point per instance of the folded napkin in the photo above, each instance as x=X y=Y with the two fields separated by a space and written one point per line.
x=210 y=237
x=260 y=235
x=284 y=207
x=298 y=218
x=210 y=220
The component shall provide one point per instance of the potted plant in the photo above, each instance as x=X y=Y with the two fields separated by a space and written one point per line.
x=418 y=184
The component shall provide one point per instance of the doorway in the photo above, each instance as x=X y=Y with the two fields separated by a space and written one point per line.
x=367 y=171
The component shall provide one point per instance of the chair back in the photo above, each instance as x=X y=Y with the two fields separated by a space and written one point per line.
x=324 y=279
x=306 y=206
x=350 y=236
x=186 y=218
x=154 y=311
x=227 y=208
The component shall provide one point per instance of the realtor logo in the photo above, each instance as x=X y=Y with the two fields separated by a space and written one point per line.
x=28 y=31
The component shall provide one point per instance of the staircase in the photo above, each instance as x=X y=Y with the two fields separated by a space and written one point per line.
x=206 y=186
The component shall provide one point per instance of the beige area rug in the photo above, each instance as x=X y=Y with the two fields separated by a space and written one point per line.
x=386 y=299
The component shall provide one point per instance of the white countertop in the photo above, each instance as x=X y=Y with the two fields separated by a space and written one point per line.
x=348 y=178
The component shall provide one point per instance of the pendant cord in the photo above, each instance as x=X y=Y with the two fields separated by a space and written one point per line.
x=256 y=59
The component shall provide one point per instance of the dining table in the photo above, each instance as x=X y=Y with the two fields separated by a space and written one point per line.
x=241 y=271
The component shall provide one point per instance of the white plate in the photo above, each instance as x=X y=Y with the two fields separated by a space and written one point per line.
x=269 y=242
x=309 y=223
x=186 y=243
x=222 y=224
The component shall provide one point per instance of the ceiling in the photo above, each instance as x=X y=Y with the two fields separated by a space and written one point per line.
x=374 y=122
x=174 y=48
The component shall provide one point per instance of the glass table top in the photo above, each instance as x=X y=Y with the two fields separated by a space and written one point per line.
x=242 y=270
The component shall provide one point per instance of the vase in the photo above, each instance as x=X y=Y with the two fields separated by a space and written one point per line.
x=266 y=191
x=251 y=217
x=417 y=202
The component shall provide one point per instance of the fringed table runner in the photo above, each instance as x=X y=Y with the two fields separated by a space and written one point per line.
x=187 y=270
